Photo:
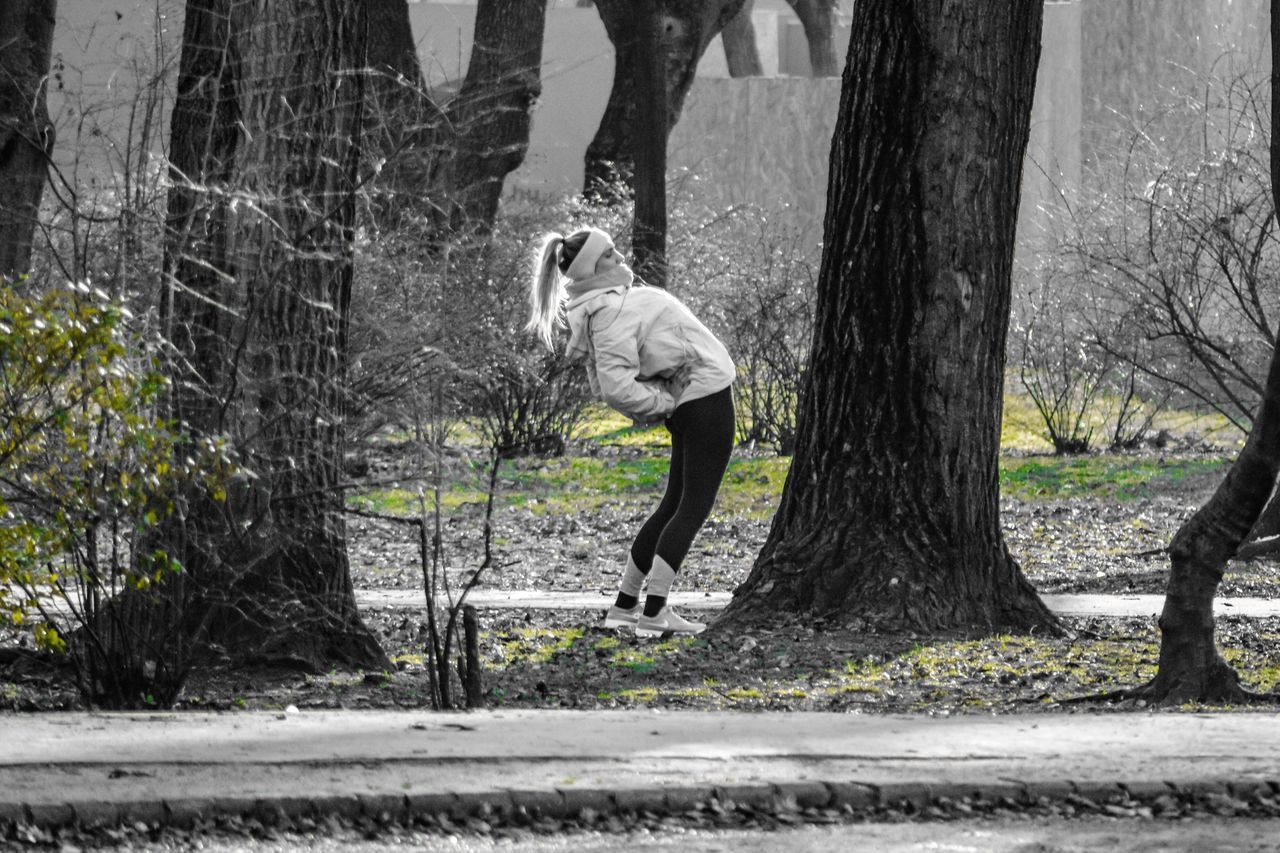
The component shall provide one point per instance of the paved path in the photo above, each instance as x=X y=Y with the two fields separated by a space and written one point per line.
x=541 y=599
x=59 y=766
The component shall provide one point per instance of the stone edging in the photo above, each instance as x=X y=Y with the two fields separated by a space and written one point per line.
x=587 y=805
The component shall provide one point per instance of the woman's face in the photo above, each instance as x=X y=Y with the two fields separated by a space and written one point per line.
x=609 y=260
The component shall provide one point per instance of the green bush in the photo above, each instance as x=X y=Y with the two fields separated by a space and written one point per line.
x=88 y=469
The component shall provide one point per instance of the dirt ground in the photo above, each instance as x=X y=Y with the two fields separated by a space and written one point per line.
x=1071 y=545
x=563 y=659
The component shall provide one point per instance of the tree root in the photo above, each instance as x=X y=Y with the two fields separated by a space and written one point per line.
x=1156 y=695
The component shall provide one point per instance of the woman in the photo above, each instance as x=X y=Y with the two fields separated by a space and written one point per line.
x=651 y=359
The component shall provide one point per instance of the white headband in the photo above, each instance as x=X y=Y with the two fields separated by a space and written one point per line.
x=584 y=265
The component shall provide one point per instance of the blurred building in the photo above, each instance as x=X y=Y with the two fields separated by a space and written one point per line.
x=1107 y=67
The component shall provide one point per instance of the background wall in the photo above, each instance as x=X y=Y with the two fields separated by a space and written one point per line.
x=107 y=56
x=761 y=141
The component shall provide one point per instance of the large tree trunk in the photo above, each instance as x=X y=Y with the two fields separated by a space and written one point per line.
x=741 y=53
x=818 y=17
x=26 y=134
x=265 y=141
x=649 y=234
x=401 y=119
x=1190 y=668
x=489 y=120
x=890 y=513
x=688 y=26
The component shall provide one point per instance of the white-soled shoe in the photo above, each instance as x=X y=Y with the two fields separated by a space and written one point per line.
x=666 y=622
x=623 y=617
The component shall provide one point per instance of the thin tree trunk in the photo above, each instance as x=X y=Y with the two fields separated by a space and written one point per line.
x=741 y=53
x=890 y=512
x=1190 y=667
x=26 y=134
x=489 y=121
x=259 y=253
x=688 y=27
x=649 y=234
x=818 y=17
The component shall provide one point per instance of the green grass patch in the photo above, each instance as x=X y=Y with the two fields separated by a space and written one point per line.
x=753 y=485
x=642 y=658
x=1022 y=430
x=1003 y=673
x=537 y=646
x=585 y=483
x=569 y=475
x=570 y=484
x=604 y=426
x=1117 y=477
x=404 y=502
x=1007 y=659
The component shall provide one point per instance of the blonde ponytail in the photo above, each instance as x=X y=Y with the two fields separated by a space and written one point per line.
x=546 y=294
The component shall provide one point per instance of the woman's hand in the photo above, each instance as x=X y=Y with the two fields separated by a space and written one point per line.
x=680 y=380
x=646 y=421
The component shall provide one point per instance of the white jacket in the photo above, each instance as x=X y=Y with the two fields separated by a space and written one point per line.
x=645 y=351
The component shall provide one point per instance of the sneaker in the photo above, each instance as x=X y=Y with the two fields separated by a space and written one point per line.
x=666 y=622
x=623 y=617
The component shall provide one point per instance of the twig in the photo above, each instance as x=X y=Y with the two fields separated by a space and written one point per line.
x=382 y=516
x=424 y=554
x=496 y=461
x=1265 y=546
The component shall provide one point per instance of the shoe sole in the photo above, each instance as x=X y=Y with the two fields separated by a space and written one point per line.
x=619 y=623
x=664 y=632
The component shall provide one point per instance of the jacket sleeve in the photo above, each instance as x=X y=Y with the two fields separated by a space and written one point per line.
x=617 y=369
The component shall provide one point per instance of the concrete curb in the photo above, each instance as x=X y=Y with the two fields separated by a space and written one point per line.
x=526 y=807
x=612 y=769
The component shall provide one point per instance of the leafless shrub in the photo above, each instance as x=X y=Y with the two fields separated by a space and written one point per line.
x=1178 y=244
x=418 y=318
x=752 y=279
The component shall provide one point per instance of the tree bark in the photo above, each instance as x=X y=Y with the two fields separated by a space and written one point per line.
x=392 y=50
x=265 y=141
x=1190 y=667
x=26 y=133
x=890 y=513
x=688 y=26
x=401 y=119
x=818 y=17
x=741 y=53
x=489 y=120
x=649 y=233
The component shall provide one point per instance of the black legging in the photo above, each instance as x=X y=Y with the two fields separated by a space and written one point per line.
x=701 y=441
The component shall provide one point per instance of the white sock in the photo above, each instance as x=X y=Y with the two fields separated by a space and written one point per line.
x=632 y=579
x=660 y=578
